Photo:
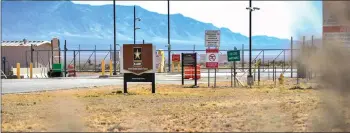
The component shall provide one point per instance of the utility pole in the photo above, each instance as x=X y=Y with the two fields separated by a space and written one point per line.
x=114 y=44
x=169 y=46
x=251 y=9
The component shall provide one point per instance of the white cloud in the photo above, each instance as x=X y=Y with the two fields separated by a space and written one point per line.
x=275 y=18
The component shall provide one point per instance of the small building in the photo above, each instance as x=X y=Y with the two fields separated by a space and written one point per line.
x=14 y=52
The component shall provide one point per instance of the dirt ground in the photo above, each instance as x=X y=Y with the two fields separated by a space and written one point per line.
x=173 y=108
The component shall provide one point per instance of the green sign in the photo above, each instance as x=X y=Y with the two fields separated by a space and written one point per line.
x=233 y=55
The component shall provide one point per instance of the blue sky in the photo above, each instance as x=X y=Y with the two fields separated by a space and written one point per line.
x=275 y=18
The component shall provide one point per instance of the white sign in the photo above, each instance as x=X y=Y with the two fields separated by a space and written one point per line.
x=212 y=38
x=212 y=58
x=336 y=19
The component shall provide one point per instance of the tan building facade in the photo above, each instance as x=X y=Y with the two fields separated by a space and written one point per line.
x=19 y=52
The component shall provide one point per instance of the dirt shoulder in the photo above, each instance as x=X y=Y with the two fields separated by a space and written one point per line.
x=172 y=108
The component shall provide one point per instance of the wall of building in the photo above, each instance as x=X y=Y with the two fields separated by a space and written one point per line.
x=22 y=55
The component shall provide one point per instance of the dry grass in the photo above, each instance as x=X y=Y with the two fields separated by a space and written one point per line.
x=172 y=108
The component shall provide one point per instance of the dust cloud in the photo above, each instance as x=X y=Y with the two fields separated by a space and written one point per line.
x=329 y=62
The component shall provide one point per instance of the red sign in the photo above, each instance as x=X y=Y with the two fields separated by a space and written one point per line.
x=212 y=58
x=175 y=57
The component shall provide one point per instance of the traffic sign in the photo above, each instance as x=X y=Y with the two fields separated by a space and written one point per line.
x=212 y=58
x=212 y=38
x=233 y=55
x=176 y=58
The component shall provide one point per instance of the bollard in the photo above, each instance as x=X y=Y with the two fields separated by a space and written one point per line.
x=18 y=70
x=31 y=70
x=110 y=68
x=103 y=67
x=172 y=67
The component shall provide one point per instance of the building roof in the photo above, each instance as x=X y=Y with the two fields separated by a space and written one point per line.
x=21 y=43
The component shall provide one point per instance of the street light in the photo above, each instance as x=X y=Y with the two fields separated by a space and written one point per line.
x=114 y=44
x=169 y=48
x=135 y=28
x=251 y=9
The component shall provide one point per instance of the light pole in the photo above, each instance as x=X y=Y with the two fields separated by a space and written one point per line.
x=169 y=46
x=114 y=44
x=135 y=28
x=251 y=9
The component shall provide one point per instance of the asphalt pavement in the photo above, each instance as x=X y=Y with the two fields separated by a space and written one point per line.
x=31 y=85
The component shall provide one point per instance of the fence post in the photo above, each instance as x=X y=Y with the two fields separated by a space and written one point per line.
x=75 y=72
x=254 y=70
x=79 y=58
x=65 y=58
x=37 y=59
x=263 y=60
x=284 y=60
x=234 y=73
x=268 y=69
x=48 y=57
x=231 y=74
x=258 y=74
x=273 y=71
x=95 y=60
x=242 y=57
x=52 y=54
x=275 y=74
x=291 y=57
x=59 y=51
x=208 y=77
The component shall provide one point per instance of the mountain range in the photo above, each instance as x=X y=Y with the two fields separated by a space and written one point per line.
x=88 y=25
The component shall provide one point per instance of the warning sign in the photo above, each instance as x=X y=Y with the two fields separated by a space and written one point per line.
x=212 y=38
x=212 y=58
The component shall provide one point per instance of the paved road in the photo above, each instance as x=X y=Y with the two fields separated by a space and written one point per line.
x=30 y=85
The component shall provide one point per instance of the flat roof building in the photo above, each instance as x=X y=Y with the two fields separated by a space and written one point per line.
x=14 y=52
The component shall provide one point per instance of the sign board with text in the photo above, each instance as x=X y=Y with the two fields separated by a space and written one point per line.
x=336 y=18
x=233 y=55
x=138 y=64
x=189 y=59
x=212 y=58
x=212 y=38
x=175 y=57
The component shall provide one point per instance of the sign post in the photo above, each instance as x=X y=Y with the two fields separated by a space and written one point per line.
x=175 y=58
x=233 y=55
x=212 y=39
x=138 y=64
x=189 y=59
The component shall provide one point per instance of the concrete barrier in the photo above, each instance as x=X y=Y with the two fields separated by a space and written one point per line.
x=37 y=72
